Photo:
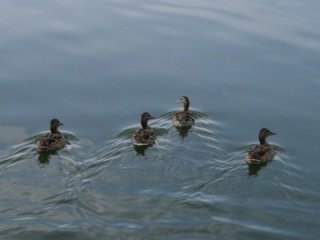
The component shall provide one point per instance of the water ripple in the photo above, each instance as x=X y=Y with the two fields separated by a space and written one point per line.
x=248 y=17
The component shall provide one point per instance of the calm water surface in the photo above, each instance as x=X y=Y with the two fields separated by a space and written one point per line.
x=96 y=65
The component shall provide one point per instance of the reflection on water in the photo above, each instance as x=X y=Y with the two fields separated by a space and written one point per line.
x=44 y=157
x=140 y=149
x=239 y=156
x=27 y=149
x=245 y=64
x=183 y=132
x=112 y=189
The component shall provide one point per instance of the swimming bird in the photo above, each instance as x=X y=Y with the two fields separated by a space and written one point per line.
x=52 y=141
x=144 y=136
x=183 y=119
x=262 y=152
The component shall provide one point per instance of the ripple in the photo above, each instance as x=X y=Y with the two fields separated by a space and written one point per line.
x=248 y=17
x=238 y=158
x=42 y=186
x=255 y=227
x=281 y=173
x=19 y=152
x=171 y=148
x=27 y=149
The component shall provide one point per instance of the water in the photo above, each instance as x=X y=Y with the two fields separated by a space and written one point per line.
x=97 y=65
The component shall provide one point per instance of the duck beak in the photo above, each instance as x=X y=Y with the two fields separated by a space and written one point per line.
x=151 y=117
x=61 y=124
x=273 y=133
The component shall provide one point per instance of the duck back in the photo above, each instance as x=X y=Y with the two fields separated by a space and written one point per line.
x=183 y=119
x=51 y=142
x=260 y=154
x=144 y=137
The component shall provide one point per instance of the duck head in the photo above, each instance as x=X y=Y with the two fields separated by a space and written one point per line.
x=54 y=124
x=263 y=134
x=145 y=117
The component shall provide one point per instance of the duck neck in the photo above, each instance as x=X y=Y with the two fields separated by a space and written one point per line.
x=54 y=130
x=144 y=123
x=262 y=140
x=186 y=107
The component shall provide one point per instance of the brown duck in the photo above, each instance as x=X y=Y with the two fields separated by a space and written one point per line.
x=183 y=119
x=263 y=152
x=144 y=136
x=52 y=141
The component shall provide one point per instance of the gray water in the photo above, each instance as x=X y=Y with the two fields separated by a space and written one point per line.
x=97 y=65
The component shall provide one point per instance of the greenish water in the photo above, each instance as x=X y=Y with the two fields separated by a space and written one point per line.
x=97 y=65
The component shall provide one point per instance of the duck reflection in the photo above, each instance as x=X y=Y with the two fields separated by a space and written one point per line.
x=183 y=132
x=140 y=150
x=253 y=169
x=43 y=157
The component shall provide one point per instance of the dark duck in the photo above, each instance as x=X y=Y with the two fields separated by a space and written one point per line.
x=144 y=136
x=52 y=141
x=263 y=152
x=183 y=119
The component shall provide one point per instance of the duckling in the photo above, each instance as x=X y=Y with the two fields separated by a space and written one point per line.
x=144 y=136
x=183 y=119
x=263 y=152
x=52 y=141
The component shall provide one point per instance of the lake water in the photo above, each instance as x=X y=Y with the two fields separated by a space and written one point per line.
x=97 y=65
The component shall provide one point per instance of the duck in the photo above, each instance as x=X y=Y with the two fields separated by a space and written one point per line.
x=183 y=119
x=263 y=152
x=146 y=135
x=53 y=141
